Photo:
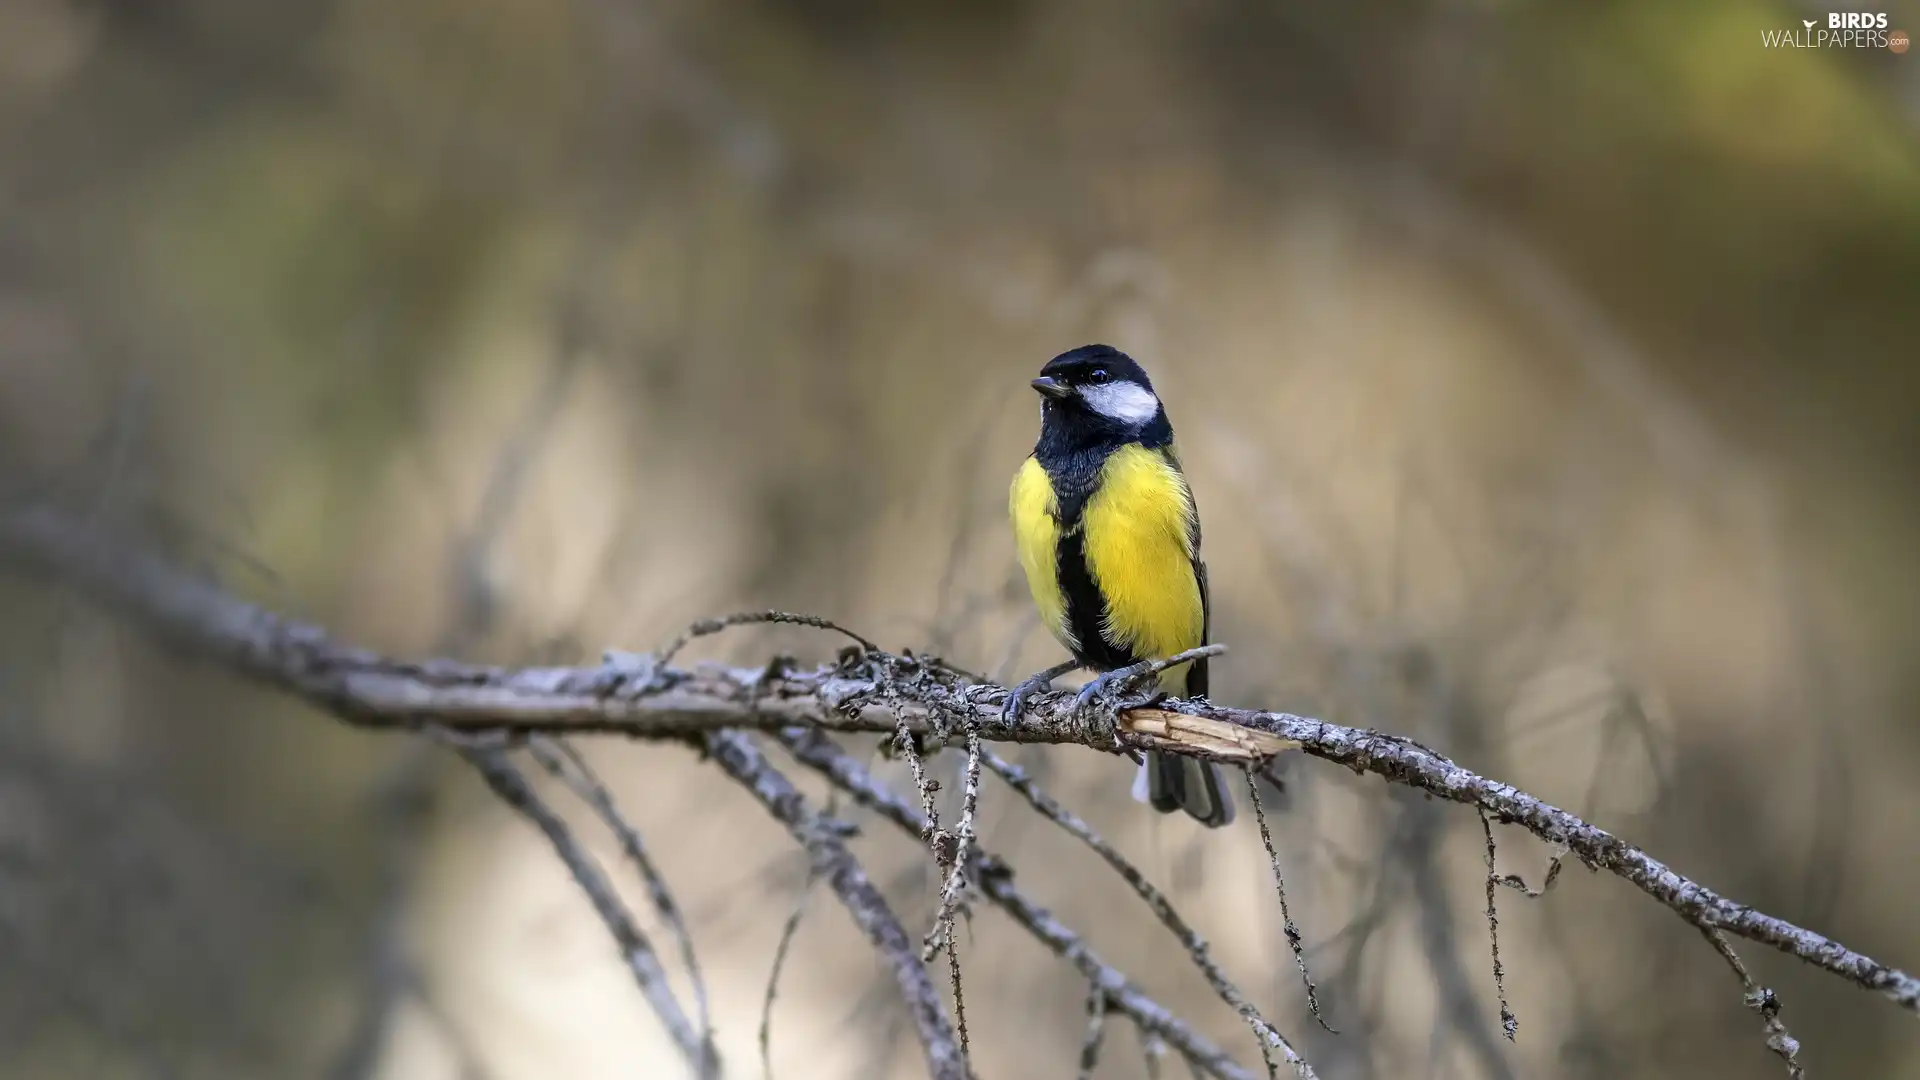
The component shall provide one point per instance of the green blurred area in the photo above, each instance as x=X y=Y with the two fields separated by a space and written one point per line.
x=1546 y=373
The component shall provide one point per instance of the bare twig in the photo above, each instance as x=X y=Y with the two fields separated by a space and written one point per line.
x=1414 y=851
x=1147 y=669
x=995 y=878
x=459 y=1043
x=370 y=690
x=1519 y=884
x=959 y=996
x=1096 y=1030
x=908 y=747
x=740 y=759
x=566 y=765
x=1761 y=1000
x=1271 y=1041
x=942 y=931
x=787 y=933
x=945 y=852
x=513 y=789
x=708 y=627
x=1287 y=924
x=1152 y=1049
x=401 y=802
x=941 y=935
x=1509 y=1024
x=948 y=851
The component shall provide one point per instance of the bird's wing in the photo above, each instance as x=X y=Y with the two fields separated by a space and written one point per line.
x=1197 y=671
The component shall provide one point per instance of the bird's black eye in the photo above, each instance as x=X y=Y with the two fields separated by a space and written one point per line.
x=1098 y=375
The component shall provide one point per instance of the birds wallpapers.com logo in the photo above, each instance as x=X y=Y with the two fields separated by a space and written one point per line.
x=1840 y=29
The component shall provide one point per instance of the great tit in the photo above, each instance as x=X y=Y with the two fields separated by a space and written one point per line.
x=1109 y=538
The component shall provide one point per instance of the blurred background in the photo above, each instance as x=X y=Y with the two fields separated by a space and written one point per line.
x=1546 y=375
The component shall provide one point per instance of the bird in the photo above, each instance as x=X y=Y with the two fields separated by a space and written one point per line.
x=1108 y=535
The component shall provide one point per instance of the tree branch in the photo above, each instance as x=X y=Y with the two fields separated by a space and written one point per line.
x=835 y=865
x=514 y=789
x=865 y=691
x=565 y=764
x=1271 y=1039
x=994 y=879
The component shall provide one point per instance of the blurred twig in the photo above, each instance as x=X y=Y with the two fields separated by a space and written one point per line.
x=404 y=796
x=513 y=788
x=1096 y=1030
x=787 y=933
x=565 y=764
x=836 y=866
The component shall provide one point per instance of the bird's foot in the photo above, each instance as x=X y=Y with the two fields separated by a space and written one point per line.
x=1017 y=697
x=1100 y=701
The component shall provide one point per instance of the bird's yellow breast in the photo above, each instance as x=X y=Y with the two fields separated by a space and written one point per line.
x=1136 y=539
x=1138 y=543
x=1036 y=534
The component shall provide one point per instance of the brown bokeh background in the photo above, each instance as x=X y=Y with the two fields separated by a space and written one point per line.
x=1546 y=374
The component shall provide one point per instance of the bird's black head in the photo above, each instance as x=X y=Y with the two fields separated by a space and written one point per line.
x=1096 y=395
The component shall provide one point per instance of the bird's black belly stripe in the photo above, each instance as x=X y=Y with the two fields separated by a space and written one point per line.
x=1086 y=608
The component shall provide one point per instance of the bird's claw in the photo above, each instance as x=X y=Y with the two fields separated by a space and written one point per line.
x=1093 y=702
x=1098 y=689
x=1017 y=697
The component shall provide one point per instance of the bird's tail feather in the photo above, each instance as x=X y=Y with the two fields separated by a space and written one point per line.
x=1176 y=782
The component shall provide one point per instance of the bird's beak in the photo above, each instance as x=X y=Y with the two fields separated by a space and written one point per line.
x=1051 y=387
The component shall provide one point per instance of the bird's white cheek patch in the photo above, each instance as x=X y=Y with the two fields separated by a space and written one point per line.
x=1127 y=402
